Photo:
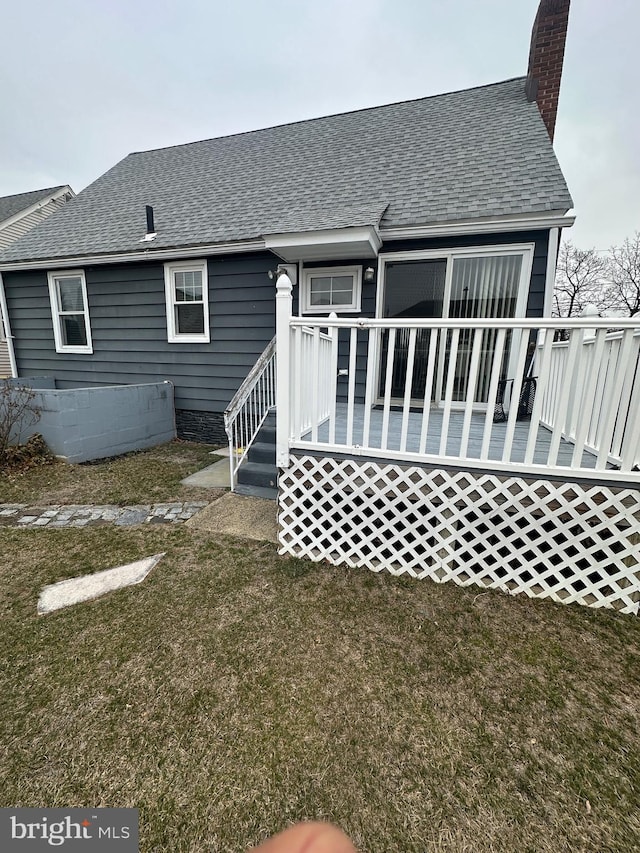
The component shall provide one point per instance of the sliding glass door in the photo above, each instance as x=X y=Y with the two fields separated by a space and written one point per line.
x=460 y=284
x=413 y=289
x=481 y=287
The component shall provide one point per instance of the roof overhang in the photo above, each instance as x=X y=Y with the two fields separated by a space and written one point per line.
x=498 y=225
x=132 y=257
x=326 y=245
x=320 y=245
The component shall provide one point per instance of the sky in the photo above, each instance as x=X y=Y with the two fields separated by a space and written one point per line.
x=86 y=82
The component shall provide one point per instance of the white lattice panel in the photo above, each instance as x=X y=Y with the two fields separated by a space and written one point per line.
x=566 y=541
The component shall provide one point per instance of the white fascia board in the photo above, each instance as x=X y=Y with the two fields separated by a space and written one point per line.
x=145 y=255
x=479 y=226
x=36 y=206
x=320 y=245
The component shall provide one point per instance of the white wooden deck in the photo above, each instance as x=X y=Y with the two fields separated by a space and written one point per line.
x=523 y=506
x=496 y=446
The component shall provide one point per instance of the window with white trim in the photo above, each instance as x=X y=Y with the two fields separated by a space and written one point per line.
x=70 y=311
x=187 y=302
x=331 y=289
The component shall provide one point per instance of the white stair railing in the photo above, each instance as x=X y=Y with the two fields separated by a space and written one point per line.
x=249 y=408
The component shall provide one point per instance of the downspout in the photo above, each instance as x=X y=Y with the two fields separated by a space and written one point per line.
x=4 y=311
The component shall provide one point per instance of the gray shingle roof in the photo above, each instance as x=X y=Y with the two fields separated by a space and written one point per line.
x=480 y=152
x=12 y=204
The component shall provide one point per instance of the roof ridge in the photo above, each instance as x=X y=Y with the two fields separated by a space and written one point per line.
x=329 y=115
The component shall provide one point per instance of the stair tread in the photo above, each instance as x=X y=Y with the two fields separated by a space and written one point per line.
x=263 y=452
x=258 y=474
x=257 y=491
x=255 y=466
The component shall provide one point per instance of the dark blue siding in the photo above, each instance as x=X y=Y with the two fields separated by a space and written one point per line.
x=128 y=322
x=129 y=329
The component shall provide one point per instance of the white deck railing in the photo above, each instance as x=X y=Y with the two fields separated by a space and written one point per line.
x=313 y=360
x=584 y=417
x=249 y=408
x=593 y=361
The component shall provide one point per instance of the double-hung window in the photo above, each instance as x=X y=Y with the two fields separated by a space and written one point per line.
x=187 y=302
x=70 y=311
x=331 y=289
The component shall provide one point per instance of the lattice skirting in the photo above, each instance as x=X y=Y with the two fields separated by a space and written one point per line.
x=572 y=542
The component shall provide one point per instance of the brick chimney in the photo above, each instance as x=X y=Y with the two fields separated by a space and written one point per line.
x=545 y=58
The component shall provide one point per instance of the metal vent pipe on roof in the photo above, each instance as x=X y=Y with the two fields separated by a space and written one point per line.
x=150 y=225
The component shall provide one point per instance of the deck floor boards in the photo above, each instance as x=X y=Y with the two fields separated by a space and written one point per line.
x=496 y=446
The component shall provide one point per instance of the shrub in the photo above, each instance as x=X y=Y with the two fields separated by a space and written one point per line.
x=19 y=458
x=18 y=411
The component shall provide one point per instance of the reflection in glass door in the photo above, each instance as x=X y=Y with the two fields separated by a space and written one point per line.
x=412 y=289
x=481 y=286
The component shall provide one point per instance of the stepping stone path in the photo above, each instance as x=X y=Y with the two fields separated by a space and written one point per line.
x=22 y=515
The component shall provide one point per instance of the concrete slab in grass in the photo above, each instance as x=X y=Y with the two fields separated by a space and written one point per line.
x=214 y=476
x=237 y=515
x=84 y=588
x=224 y=451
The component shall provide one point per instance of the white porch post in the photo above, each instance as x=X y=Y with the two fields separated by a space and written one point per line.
x=550 y=276
x=283 y=390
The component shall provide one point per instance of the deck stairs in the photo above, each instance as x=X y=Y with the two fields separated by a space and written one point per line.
x=258 y=475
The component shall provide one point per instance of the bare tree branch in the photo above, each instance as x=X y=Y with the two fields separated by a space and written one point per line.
x=581 y=280
x=624 y=276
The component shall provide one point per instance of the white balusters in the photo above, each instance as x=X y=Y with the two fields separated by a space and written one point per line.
x=570 y=405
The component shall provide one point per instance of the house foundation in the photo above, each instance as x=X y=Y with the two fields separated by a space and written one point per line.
x=203 y=427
